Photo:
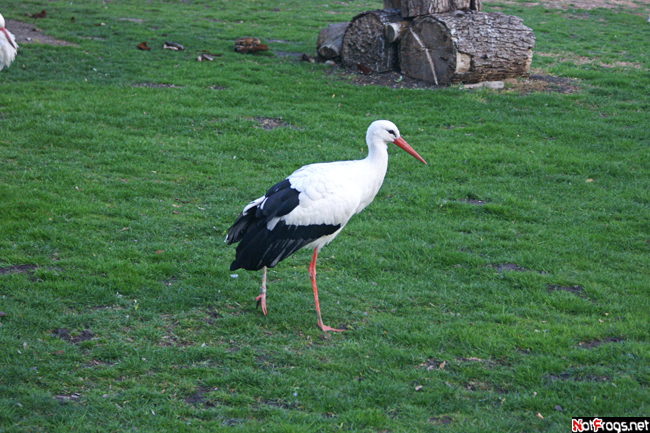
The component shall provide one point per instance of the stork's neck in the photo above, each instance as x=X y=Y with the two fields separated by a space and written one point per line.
x=376 y=164
x=378 y=156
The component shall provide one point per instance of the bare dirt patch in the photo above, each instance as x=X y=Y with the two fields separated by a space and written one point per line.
x=394 y=80
x=576 y=290
x=595 y=343
x=537 y=82
x=582 y=60
x=268 y=123
x=433 y=364
x=545 y=83
x=501 y=267
x=199 y=398
x=30 y=34
x=18 y=269
x=64 y=335
x=440 y=420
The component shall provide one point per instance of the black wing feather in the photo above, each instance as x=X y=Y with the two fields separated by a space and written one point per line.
x=286 y=196
x=260 y=246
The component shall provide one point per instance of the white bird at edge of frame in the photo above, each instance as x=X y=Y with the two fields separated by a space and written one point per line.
x=309 y=208
x=8 y=46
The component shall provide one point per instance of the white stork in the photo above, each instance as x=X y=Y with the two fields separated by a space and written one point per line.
x=310 y=207
x=8 y=46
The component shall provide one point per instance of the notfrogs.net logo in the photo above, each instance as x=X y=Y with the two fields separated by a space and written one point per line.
x=610 y=424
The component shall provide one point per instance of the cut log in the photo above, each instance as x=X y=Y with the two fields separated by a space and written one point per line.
x=330 y=39
x=467 y=47
x=364 y=41
x=394 y=31
x=416 y=8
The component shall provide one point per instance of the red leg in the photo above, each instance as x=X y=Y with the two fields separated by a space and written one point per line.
x=312 y=277
x=261 y=299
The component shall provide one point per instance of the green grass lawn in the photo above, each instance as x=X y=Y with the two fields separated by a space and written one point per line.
x=502 y=287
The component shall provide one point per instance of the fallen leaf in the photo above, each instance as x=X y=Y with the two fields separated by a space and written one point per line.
x=442 y=365
x=363 y=69
x=589 y=180
x=41 y=14
x=249 y=45
x=125 y=229
x=143 y=46
x=539 y=415
x=160 y=251
x=419 y=387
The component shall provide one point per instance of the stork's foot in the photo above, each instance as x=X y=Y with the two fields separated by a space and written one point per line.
x=261 y=300
x=326 y=328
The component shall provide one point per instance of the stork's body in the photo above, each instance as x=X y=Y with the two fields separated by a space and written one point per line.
x=310 y=207
x=8 y=46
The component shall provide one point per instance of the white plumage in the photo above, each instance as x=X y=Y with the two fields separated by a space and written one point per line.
x=8 y=46
x=310 y=207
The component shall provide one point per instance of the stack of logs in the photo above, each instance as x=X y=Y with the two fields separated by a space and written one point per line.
x=436 y=41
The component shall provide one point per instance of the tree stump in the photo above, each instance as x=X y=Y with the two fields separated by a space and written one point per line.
x=416 y=8
x=364 y=42
x=466 y=46
x=330 y=39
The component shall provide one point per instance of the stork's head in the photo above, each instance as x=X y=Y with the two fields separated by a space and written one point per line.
x=4 y=32
x=385 y=131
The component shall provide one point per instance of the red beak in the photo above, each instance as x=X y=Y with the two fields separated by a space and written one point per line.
x=404 y=145
x=8 y=38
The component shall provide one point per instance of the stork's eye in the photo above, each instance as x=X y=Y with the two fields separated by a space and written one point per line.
x=392 y=132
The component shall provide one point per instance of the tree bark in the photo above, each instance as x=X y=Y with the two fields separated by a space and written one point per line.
x=415 y=8
x=392 y=4
x=364 y=41
x=330 y=39
x=466 y=46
